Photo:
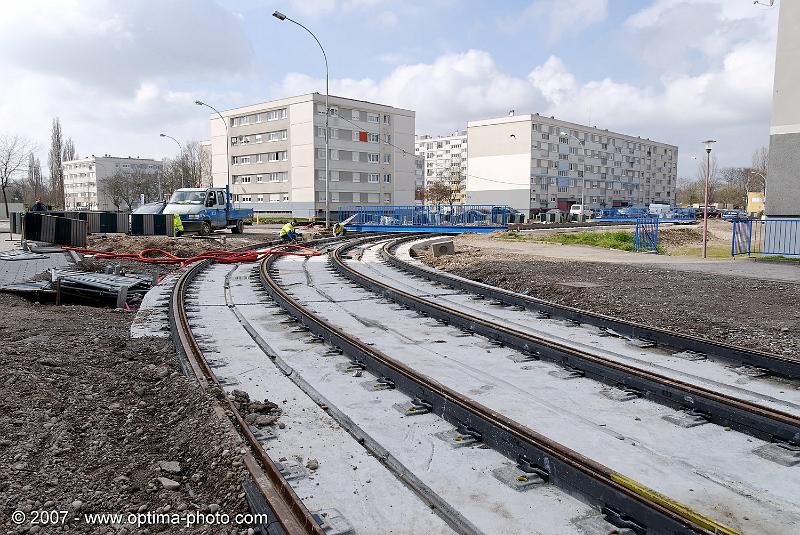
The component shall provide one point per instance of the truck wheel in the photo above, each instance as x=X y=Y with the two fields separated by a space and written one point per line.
x=205 y=228
x=239 y=227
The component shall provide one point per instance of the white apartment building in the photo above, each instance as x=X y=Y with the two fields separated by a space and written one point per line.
x=83 y=179
x=443 y=158
x=535 y=163
x=277 y=154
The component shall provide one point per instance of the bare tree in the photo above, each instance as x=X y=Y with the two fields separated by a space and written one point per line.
x=33 y=187
x=125 y=187
x=69 y=153
x=56 y=170
x=439 y=192
x=14 y=154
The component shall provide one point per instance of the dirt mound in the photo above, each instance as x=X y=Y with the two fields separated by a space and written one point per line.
x=97 y=422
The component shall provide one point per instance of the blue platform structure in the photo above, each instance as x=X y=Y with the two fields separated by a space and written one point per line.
x=632 y=214
x=445 y=218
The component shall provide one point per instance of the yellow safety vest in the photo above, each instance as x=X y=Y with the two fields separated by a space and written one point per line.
x=177 y=224
x=287 y=228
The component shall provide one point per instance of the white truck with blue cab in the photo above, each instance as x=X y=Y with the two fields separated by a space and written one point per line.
x=203 y=210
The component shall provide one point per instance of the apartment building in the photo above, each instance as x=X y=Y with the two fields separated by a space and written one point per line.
x=276 y=154
x=83 y=179
x=443 y=158
x=535 y=163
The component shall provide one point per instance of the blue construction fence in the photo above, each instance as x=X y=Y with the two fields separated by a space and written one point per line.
x=427 y=218
x=780 y=236
x=645 y=238
x=634 y=213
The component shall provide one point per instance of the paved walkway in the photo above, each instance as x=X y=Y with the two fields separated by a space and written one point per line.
x=14 y=271
x=740 y=267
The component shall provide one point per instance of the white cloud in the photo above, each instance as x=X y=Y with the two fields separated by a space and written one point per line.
x=556 y=17
x=445 y=93
x=730 y=103
x=116 y=73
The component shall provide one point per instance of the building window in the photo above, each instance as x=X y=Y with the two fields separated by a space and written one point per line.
x=373 y=197
x=373 y=118
x=356 y=197
x=285 y=196
x=334 y=154
x=387 y=198
x=260 y=198
x=355 y=115
x=276 y=136
x=355 y=156
x=387 y=119
x=387 y=158
x=374 y=157
x=246 y=179
x=545 y=136
x=321 y=154
x=387 y=178
x=274 y=115
x=334 y=196
x=373 y=138
x=334 y=176
x=356 y=177
x=373 y=178
x=247 y=198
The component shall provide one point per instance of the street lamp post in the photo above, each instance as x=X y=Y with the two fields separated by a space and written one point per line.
x=227 y=142
x=180 y=153
x=280 y=16
x=708 y=144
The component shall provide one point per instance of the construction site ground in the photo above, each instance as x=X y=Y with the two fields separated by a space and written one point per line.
x=740 y=302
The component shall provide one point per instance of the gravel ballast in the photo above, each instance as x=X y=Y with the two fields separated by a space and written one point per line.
x=741 y=311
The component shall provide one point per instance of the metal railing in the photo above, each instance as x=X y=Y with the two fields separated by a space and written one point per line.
x=766 y=236
x=645 y=239
x=634 y=213
x=437 y=215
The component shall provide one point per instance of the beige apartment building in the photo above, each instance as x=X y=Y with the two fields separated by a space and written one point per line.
x=443 y=158
x=535 y=163
x=276 y=154
x=84 y=177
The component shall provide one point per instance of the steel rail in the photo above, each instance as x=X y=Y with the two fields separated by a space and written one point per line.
x=775 y=364
x=623 y=501
x=751 y=418
x=291 y=515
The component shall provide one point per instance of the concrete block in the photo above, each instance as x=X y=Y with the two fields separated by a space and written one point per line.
x=442 y=248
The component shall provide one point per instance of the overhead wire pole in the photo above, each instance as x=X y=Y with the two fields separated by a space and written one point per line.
x=280 y=16
x=180 y=154
x=227 y=142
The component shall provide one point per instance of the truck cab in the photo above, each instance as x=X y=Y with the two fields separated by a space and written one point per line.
x=206 y=209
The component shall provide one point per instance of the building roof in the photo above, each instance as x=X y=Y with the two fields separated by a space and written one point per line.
x=303 y=98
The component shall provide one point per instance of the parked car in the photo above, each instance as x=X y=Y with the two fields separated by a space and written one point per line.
x=576 y=209
x=150 y=208
x=730 y=215
x=712 y=212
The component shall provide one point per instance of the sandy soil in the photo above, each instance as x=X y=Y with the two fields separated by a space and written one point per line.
x=736 y=310
x=89 y=413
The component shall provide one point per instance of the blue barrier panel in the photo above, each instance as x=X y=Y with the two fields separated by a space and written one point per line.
x=426 y=218
x=779 y=236
x=646 y=236
x=634 y=213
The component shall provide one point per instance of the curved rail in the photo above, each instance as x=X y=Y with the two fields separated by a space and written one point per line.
x=624 y=502
x=723 y=409
x=287 y=513
x=775 y=364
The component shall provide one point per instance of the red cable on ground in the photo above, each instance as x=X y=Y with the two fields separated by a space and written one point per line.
x=160 y=256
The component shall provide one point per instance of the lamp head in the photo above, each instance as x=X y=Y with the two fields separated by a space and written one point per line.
x=278 y=15
x=163 y=135
x=199 y=102
x=708 y=144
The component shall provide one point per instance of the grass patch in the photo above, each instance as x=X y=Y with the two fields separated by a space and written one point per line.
x=777 y=258
x=618 y=239
x=713 y=251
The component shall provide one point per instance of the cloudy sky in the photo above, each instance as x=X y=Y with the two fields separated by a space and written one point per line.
x=119 y=72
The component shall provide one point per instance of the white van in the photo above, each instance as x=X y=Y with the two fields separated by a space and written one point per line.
x=577 y=209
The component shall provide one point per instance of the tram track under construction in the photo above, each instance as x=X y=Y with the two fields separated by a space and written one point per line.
x=414 y=401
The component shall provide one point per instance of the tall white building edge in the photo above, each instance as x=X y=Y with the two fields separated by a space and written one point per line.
x=277 y=154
